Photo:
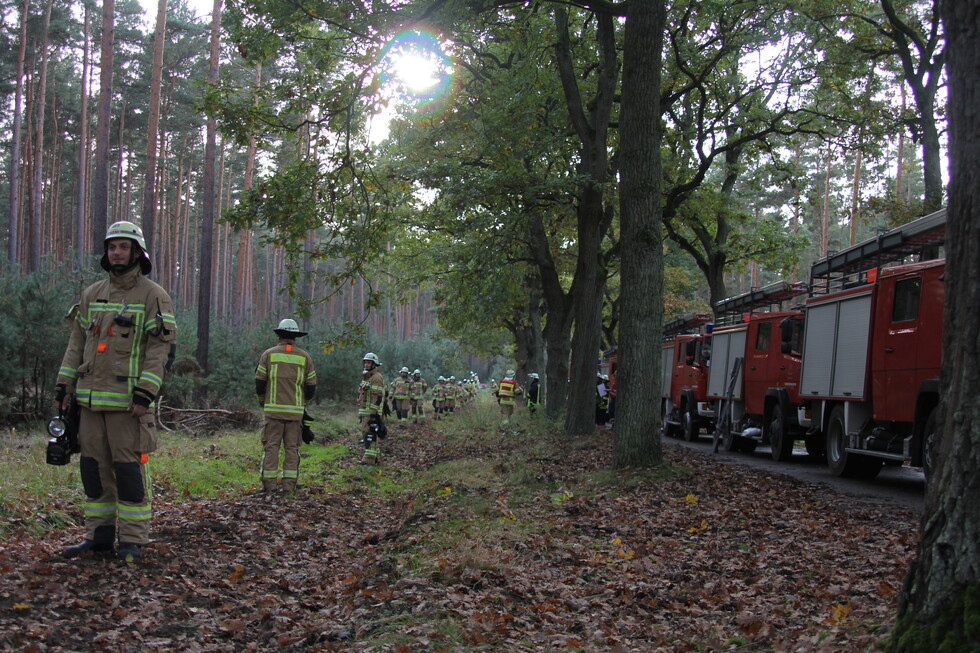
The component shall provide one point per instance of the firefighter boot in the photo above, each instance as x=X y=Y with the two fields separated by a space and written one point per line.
x=104 y=537
x=130 y=551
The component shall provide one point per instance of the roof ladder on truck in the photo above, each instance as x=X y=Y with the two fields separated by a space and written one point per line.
x=684 y=324
x=733 y=310
x=852 y=265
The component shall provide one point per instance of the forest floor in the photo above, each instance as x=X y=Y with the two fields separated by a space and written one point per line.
x=480 y=539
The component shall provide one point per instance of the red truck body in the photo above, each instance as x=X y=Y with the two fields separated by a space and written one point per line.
x=855 y=373
x=685 y=358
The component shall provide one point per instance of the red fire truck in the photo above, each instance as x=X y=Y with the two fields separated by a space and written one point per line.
x=685 y=356
x=869 y=363
x=755 y=374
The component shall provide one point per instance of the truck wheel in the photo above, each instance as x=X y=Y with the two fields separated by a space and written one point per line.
x=666 y=429
x=780 y=440
x=840 y=462
x=691 y=430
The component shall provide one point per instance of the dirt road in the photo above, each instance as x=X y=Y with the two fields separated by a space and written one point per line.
x=899 y=486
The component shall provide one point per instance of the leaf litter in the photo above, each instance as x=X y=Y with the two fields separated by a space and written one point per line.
x=715 y=558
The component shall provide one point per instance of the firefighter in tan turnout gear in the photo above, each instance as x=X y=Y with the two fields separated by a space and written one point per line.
x=401 y=393
x=285 y=380
x=416 y=393
x=370 y=403
x=123 y=339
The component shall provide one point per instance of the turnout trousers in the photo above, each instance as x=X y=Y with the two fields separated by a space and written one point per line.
x=278 y=433
x=115 y=473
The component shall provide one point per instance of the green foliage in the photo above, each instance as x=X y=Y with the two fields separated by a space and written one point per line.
x=955 y=630
x=33 y=336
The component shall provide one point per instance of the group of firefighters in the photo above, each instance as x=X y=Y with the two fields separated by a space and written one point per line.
x=122 y=343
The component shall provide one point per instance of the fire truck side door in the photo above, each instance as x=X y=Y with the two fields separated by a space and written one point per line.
x=894 y=340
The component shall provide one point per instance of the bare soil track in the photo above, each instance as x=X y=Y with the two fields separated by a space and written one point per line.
x=719 y=557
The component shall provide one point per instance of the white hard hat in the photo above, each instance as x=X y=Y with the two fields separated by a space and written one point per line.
x=372 y=357
x=533 y=375
x=126 y=229
x=417 y=371
x=288 y=329
x=511 y=372
x=403 y=370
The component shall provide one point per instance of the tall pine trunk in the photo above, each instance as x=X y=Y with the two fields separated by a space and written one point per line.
x=13 y=227
x=153 y=124
x=100 y=181
x=81 y=235
x=40 y=100
x=207 y=206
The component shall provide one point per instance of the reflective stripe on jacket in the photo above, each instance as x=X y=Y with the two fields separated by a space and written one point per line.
x=287 y=369
x=123 y=332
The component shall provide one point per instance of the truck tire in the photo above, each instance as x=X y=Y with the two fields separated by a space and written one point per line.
x=840 y=461
x=780 y=438
x=666 y=429
x=690 y=428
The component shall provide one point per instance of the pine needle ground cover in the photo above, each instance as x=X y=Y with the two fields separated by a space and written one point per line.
x=468 y=537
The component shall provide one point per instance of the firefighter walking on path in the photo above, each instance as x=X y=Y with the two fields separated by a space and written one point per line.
x=507 y=391
x=417 y=390
x=370 y=401
x=401 y=391
x=123 y=339
x=285 y=381
x=533 y=393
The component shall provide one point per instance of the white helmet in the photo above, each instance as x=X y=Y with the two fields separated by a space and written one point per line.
x=288 y=329
x=511 y=372
x=533 y=375
x=126 y=229
x=403 y=370
x=371 y=357
x=417 y=371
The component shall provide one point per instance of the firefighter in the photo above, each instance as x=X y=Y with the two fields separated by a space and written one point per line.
x=507 y=391
x=285 y=380
x=533 y=393
x=452 y=392
x=439 y=396
x=400 y=390
x=416 y=391
x=123 y=339
x=370 y=403
x=601 y=399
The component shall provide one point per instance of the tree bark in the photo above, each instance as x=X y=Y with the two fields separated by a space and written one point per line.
x=100 y=177
x=40 y=100
x=81 y=235
x=938 y=607
x=13 y=226
x=592 y=129
x=637 y=434
x=152 y=127
x=207 y=209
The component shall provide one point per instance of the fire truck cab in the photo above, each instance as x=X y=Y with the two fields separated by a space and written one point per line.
x=685 y=360
x=755 y=379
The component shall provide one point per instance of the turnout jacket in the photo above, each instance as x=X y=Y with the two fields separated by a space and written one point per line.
x=284 y=380
x=123 y=339
x=371 y=394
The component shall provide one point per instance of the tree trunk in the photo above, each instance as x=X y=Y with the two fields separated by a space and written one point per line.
x=637 y=438
x=13 y=226
x=81 y=239
x=939 y=607
x=592 y=129
x=40 y=100
x=152 y=127
x=207 y=213
x=100 y=177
